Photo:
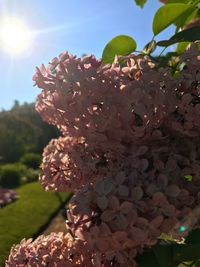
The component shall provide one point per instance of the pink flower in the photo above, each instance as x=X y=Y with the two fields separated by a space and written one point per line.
x=130 y=140
x=7 y=196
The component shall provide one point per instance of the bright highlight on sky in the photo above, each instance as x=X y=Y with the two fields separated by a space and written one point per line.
x=15 y=36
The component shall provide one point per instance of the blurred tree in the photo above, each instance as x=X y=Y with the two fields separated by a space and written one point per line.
x=22 y=131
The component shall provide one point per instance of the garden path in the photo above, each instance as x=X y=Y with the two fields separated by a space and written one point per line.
x=57 y=224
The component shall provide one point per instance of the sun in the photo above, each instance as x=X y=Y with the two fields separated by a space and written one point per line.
x=15 y=37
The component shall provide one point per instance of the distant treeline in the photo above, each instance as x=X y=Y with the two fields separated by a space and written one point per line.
x=23 y=131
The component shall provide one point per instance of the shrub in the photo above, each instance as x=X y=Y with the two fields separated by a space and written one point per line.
x=14 y=174
x=10 y=175
x=31 y=160
x=30 y=175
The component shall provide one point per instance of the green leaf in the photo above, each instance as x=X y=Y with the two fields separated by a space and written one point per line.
x=168 y=14
x=187 y=17
x=181 y=47
x=187 y=264
x=189 y=35
x=140 y=2
x=149 y=48
x=121 y=45
x=178 y=1
x=188 y=177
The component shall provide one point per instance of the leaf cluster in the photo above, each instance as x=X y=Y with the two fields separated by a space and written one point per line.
x=174 y=12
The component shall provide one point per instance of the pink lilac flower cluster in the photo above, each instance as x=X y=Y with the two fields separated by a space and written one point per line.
x=130 y=151
x=54 y=250
x=129 y=211
x=7 y=196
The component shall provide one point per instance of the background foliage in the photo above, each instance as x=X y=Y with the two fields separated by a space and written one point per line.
x=23 y=131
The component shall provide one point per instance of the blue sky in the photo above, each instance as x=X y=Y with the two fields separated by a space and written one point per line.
x=78 y=26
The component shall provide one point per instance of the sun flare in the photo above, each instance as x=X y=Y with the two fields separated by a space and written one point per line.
x=15 y=37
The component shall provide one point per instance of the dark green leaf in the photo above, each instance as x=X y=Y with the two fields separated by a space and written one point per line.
x=120 y=45
x=140 y=2
x=168 y=14
x=147 y=259
x=164 y=255
x=149 y=48
x=189 y=35
x=186 y=252
x=193 y=237
x=169 y=255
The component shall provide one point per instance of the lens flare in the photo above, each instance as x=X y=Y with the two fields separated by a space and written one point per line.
x=15 y=37
x=182 y=228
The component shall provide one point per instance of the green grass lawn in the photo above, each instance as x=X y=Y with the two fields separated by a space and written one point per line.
x=25 y=217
